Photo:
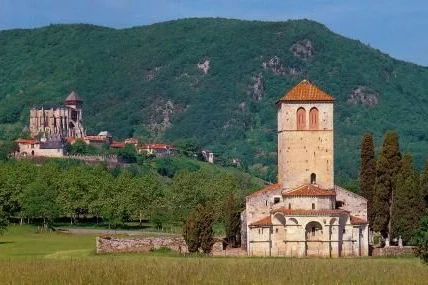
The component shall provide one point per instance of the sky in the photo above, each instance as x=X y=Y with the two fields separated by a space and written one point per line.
x=396 y=27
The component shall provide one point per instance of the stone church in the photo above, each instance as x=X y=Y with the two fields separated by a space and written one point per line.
x=305 y=214
x=59 y=121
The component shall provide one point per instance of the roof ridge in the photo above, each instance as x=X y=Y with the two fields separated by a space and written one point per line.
x=306 y=91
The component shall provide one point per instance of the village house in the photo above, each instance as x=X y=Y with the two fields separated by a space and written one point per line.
x=305 y=213
x=158 y=150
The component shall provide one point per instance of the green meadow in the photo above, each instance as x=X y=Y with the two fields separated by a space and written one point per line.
x=28 y=257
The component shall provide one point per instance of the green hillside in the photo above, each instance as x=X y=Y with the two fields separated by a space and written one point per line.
x=145 y=82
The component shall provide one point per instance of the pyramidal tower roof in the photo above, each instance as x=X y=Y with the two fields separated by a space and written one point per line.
x=306 y=91
x=73 y=97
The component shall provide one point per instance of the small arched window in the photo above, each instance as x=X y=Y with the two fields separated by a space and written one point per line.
x=313 y=206
x=313 y=119
x=301 y=119
x=313 y=178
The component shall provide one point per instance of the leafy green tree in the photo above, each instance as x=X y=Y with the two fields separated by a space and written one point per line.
x=73 y=189
x=420 y=240
x=128 y=153
x=189 y=147
x=116 y=200
x=387 y=167
x=40 y=201
x=368 y=173
x=408 y=204
x=232 y=220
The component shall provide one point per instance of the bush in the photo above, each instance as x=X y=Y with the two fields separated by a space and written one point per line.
x=420 y=240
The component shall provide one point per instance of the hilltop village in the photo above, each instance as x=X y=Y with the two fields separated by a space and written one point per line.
x=52 y=127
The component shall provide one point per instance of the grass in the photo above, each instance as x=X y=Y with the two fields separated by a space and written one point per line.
x=27 y=257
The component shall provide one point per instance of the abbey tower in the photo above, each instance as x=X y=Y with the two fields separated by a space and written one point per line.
x=305 y=137
x=305 y=214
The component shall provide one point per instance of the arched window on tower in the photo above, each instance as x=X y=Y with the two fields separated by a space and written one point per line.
x=301 y=119
x=313 y=178
x=313 y=119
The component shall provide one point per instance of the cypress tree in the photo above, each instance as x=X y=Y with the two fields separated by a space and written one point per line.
x=191 y=232
x=387 y=168
x=424 y=185
x=408 y=204
x=205 y=224
x=368 y=173
x=198 y=229
x=232 y=220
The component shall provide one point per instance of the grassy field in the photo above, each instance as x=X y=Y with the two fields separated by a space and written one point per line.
x=27 y=257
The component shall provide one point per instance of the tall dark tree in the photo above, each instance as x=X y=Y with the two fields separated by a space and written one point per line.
x=387 y=168
x=424 y=185
x=368 y=173
x=191 y=232
x=408 y=205
x=206 y=232
x=198 y=229
x=232 y=220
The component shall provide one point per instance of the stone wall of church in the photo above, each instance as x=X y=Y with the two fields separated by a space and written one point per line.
x=306 y=203
x=352 y=202
x=292 y=236
x=303 y=152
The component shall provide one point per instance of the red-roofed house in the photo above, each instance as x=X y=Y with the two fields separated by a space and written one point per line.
x=50 y=148
x=159 y=150
x=305 y=214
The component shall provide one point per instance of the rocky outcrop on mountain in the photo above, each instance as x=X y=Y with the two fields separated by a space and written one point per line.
x=303 y=49
x=161 y=115
x=204 y=66
x=363 y=95
x=256 y=88
x=151 y=73
x=275 y=66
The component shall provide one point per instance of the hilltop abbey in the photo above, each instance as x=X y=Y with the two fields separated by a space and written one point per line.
x=305 y=214
x=59 y=121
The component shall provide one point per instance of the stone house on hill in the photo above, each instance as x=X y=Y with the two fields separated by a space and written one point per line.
x=305 y=214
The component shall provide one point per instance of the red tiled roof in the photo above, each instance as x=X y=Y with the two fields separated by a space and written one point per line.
x=268 y=188
x=302 y=212
x=358 y=221
x=115 y=144
x=263 y=222
x=306 y=91
x=24 y=141
x=309 y=190
x=95 y=138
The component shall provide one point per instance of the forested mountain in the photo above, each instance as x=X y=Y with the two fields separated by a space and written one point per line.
x=213 y=80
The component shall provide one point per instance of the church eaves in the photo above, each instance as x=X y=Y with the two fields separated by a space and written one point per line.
x=306 y=91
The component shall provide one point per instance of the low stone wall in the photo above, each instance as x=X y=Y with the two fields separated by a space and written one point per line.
x=393 y=251
x=116 y=245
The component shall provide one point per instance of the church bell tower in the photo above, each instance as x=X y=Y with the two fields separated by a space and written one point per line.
x=75 y=117
x=305 y=137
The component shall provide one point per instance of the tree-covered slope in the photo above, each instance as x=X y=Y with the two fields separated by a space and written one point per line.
x=146 y=82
